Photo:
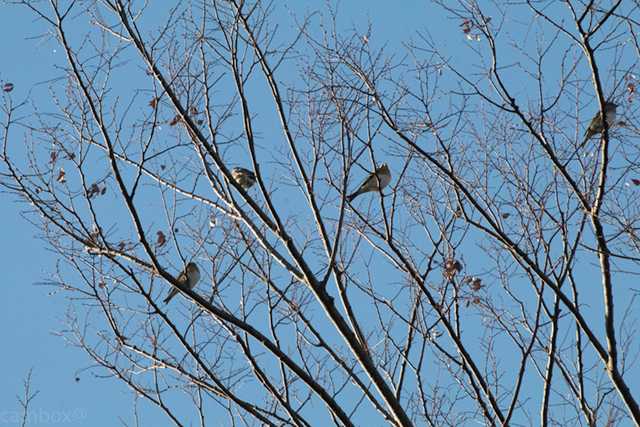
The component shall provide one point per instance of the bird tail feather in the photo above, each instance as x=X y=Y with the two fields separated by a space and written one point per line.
x=172 y=294
x=588 y=134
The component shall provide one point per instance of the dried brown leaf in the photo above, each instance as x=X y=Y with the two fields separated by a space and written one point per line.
x=93 y=190
x=175 y=121
x=451 y=268
x=62 y=176
x=161 y=239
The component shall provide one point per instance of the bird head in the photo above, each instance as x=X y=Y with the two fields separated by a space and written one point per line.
x=384 y=168
x=610 y=106
x=192 y=268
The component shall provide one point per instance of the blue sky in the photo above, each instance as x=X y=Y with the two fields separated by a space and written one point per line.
x=30 y=317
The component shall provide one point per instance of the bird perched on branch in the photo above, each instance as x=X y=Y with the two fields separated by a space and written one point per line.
x=188 y=278
x=243 y=177
x=376 y=181
x=597 y=124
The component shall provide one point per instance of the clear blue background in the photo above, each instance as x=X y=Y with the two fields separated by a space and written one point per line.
x=29 y=316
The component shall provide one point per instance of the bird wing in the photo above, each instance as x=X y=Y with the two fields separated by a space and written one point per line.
x=172 y=293
x=182 y=279
x=384 y=178
x=369 y=183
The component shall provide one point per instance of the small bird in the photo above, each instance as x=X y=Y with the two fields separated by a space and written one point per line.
x=376 y=181
x=189 y=278
x=597 y=125
x=243 y=177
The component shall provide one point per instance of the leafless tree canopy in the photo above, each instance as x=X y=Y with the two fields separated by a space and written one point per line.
x=492 y=282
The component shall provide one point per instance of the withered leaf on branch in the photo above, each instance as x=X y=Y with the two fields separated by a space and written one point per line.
x=94 y=234
x=154 y=103
x=62 y=176
x=161 y=239
x=451 y=268
x=175 y=121
x=93 y=190
x=466 y=25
